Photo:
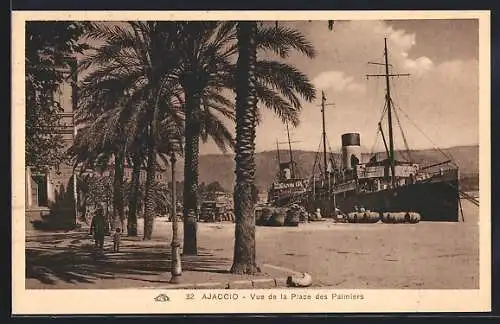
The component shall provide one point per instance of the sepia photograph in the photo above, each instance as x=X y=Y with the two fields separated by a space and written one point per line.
x=270 y=161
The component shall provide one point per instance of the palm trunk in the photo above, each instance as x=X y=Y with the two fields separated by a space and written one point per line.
x=118 y=205
x=246 y=102
x=190 y=197
x=133 y=198
x=149 y=205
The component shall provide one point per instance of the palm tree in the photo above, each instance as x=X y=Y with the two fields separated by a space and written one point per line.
x=137 y=58
x=96 y=145
x=161 y=194
x=206 y=69
x=93 y=145
x=203 y=56
x=95 y=190
x=246 y=102
x=136 y=161
x=135 y=192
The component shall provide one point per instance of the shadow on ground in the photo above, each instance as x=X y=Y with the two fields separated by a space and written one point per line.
x=72 y=258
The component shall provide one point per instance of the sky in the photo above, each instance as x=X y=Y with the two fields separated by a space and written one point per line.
x=437 y=104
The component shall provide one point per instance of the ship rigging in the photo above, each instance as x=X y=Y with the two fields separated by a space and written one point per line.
x=387 y=185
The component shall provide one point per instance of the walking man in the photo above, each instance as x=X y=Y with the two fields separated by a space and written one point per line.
x=97 y=227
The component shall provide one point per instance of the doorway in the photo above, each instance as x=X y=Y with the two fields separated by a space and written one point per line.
x=39 y=193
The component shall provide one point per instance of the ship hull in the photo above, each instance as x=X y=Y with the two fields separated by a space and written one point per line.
x=435 y=200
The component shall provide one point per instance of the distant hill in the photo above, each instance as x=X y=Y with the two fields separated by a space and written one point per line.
x=220 y=167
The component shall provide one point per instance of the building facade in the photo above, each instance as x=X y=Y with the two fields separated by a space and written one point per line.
x=51 y=196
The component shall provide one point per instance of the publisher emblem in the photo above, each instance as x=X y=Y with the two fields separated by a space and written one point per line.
x=162 y=298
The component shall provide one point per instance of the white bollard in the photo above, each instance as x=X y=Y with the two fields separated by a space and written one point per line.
x=304 y=280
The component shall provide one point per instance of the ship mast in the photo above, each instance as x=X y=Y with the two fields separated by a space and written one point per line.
x=388 y=99
x=278 y=152
x=323 y=101
x=290 y=149
x=383 y=138
x=323 y=105
x=326 y=175
x=289 y=142
x=389 y=112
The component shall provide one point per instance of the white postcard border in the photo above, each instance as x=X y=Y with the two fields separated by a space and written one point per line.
x=128 y=301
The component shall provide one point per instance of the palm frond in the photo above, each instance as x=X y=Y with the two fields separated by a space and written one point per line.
x=281 y=40
x=287 y=80
x=216 y=101
x=214 y=128
x=226 y=33
x=283 y=109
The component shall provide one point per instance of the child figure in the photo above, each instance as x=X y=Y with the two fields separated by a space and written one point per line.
x=116 y=240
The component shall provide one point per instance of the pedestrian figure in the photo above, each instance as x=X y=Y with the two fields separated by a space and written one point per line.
x=97 y=227
x=116 y=240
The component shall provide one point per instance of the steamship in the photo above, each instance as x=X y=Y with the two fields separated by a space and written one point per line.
x=388 y=185
x=384 y=184
x=381 y=184
x=288 y=186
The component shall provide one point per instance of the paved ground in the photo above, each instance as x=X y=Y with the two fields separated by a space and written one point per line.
x=424 y=255
x=391 y=256
x=69 y=261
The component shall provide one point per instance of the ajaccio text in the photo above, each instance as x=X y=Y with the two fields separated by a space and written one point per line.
x=226 y=296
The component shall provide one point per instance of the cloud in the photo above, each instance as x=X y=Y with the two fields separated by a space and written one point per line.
x=399 y=37
x=419 y=66
x=444 y=104
x=337 y=81
x=354 y=43
x=459 y=70
x=437 y=105
x=440 y=97
x=401 y=43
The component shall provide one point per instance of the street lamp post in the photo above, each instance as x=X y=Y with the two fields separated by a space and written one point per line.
x=175 y=268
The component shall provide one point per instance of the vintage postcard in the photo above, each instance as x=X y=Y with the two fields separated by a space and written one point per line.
x=251 y=162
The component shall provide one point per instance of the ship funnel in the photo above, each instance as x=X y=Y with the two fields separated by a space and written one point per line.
x=351 y=150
